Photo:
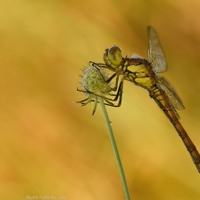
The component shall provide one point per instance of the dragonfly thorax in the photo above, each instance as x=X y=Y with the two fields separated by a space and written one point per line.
x=138 y=70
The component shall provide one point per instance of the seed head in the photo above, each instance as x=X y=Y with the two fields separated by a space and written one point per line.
x=94 y=80
x=94 y=85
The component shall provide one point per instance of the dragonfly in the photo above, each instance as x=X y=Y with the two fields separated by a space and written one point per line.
x=145 y=73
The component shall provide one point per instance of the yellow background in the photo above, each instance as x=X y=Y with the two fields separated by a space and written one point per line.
x=49 y=145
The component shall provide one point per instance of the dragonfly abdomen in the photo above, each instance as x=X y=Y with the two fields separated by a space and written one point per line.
x=161 y=99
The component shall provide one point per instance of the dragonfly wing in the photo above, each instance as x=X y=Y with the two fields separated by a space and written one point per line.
x=155 y=52
x=174 y=100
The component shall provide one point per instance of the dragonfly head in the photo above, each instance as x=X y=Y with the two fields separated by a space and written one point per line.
x=113 y=57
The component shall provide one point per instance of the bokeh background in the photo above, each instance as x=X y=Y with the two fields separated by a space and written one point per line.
x=52 y=147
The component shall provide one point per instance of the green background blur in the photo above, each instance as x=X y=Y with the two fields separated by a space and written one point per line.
x=49 y=145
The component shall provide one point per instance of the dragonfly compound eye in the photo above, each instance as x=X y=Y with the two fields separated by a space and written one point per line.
x=113 y=57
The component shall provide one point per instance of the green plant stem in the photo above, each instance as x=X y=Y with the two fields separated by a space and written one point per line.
x=114 y=146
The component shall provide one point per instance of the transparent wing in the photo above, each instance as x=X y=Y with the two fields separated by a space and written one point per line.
x=174 y=100
x=155 y=53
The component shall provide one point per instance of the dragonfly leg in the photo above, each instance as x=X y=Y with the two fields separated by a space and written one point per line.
x=101 y=65
x=107 y=99
x=118 y=97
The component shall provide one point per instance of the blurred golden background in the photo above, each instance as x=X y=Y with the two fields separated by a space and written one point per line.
x=49 y=145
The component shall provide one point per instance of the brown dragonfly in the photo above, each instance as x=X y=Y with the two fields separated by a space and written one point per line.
x=145 y=73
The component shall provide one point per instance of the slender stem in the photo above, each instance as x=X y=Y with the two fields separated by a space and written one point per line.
x=114 y=146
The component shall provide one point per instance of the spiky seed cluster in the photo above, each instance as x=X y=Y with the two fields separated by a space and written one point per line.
x=95 y=86
x=94 y=81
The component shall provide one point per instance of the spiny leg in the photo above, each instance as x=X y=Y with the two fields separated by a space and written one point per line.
x=109 y=79
x=102 y=96
x=107 y=101
x=117 y=96
x=98 y=95
x=102 y=65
